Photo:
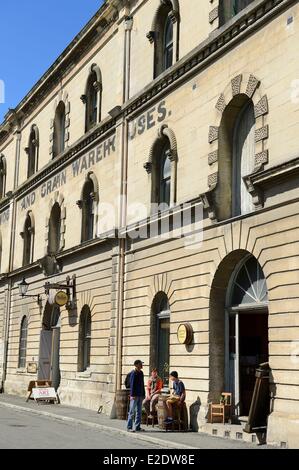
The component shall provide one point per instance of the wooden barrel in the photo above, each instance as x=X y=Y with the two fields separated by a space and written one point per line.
x=184 y=417
x=162 y=410
x=121 y=400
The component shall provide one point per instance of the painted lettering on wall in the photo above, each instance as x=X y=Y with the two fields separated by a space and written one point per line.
x=146 y=121
x=53 y=184
x=28 y=201
x=4 y=217
x=94 y=156
x=83 y=163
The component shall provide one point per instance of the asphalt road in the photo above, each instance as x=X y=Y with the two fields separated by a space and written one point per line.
x=20 y=430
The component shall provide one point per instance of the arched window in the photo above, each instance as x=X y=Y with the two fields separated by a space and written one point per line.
x=23 y=343
x=243 y=159
x=160 y=335
x=88 y=197
x=249 y=287
x=32 y=150
x=2 y=176
x=84 y=339
x=236 y=158
x=54 y=229
x=28 y=241
x=162 y=166
x=165 y=35
x=230 y=8
x=59 y=130
x=93 y=98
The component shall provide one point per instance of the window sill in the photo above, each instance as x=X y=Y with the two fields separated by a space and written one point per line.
x=21 y=370
x=84 y=375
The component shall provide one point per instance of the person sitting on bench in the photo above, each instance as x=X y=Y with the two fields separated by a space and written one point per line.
x=153 y=390
x=177 y=398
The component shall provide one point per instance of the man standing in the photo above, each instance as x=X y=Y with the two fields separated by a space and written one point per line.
x=137 y=394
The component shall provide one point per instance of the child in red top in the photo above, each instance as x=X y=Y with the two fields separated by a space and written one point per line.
x=153 y=390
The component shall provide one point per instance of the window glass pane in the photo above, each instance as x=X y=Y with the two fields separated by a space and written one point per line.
x=23 y=343
x=168 y=44
x=165 y=178
x=166 y=168
x=250 y=285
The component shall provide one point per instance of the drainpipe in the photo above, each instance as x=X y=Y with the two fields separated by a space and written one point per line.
x=12 y=211
x=123 y=202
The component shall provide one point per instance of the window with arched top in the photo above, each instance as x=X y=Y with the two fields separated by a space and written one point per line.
x=249 y=286
x=2 y=176
x=84 y=339
x=236 y=158
x=59 y=130
x=162 y=168
x=160 y=335
x=243 y=159
x=88 y=197
x=54 y=230
x=230 y=8
x=164 y=35
x=91 y=102
x=28 y=241
x=92 y=98
x=23 y=343
x=32 y=151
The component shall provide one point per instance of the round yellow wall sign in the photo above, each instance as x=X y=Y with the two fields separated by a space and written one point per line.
x=61 y=298
x=185 y=333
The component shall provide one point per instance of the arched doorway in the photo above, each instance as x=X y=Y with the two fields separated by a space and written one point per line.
x=49 y=350
x=246 y=331
x=160 y=335
x=238 y=328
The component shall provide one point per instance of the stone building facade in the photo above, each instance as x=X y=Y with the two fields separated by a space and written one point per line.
x=191 y=104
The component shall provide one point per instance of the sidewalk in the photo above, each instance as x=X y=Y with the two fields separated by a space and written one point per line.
x=90 y=418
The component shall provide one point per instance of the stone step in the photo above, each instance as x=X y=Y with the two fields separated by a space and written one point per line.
x=233 y=431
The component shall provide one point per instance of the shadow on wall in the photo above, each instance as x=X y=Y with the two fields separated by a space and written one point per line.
x=194 y=411
x=73 y=317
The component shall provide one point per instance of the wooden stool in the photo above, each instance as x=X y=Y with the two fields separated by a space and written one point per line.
x=153 y=420
x=180 y=420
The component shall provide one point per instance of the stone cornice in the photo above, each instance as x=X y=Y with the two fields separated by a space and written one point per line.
x=258 y=182
x=108 y=237
x=246 y=22
x=94 y=30
x=243 y=24
x=101 y=131
x=219 y=41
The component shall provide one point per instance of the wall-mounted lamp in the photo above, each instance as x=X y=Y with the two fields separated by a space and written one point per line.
x=69 y=287
x=23 y=289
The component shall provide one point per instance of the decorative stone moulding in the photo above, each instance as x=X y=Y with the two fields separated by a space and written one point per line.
x=174 y=16
x=163 y=131
x=258 y=182
x=208 y=204
x=242 y=84
x=213 y=15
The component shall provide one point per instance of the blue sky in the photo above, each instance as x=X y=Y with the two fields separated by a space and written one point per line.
x=32 y=35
